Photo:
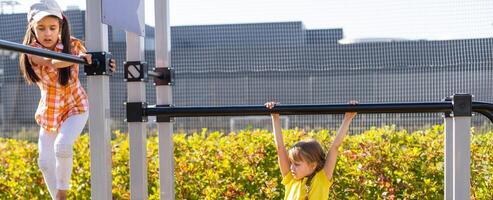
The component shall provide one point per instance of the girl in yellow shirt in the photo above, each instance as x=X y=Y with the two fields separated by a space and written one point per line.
x=306 y=170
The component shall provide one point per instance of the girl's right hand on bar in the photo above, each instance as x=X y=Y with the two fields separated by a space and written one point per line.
x=271 y=104
x=351 y=115
x=87 y=57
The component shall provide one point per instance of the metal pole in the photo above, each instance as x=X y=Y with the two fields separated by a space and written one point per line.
x=136 y=92
x=448 y=151
x=96 y=37
x=299 y=109
x=462 y=158
x=485 y=109
x=461 y=147
x=12 y=46
x=164 y=97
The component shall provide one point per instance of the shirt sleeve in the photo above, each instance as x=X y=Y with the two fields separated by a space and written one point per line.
x=77 y=47
x=323 y=178
x=287 y=179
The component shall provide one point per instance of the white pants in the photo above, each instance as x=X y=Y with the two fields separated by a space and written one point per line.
x=55 y=152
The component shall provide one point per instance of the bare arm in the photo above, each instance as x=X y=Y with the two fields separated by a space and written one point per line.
x=331 y=159
x=282 y=155
x=56 y=63
x=62 y=64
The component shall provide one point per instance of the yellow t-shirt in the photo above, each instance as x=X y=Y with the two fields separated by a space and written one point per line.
x=295 y=189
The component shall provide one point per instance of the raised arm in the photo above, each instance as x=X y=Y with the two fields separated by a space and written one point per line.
x=282 y=155
x=331 y=159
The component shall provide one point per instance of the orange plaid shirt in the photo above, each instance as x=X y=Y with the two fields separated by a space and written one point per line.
x=59 y=102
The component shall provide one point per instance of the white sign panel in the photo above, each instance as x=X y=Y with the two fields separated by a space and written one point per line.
x=122 y=14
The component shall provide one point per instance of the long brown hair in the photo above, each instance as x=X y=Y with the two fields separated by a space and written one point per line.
x=25 y=66
x=309 y=151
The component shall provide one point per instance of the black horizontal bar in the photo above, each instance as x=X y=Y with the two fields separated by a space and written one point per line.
x=478 y=105
x=12 y=46
x=483 y=108
x=311 y=109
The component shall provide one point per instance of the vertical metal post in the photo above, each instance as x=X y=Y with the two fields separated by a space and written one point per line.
x=461 y=146
x=137 y=130
x=448 y=151
x=163 y=97
x=96 y=38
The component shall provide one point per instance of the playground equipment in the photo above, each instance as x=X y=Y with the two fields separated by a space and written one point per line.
x=457 y=113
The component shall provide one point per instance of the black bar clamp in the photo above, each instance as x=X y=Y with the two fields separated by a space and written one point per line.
x=100 y=64
x=462 y=105
x=136 y=111
x=135 y=71
x=163 y=118
x=162 y=75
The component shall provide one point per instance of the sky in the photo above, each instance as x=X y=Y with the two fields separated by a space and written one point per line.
x=360 y=19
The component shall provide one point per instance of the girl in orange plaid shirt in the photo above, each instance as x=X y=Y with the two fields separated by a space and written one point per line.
x=63 y=108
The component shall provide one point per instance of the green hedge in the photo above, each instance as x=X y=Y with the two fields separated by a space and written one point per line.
x=382 y=163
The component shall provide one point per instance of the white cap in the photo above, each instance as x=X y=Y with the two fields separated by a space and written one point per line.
x=44 y=8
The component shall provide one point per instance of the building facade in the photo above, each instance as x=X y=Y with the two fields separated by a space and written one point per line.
x=249 y=64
